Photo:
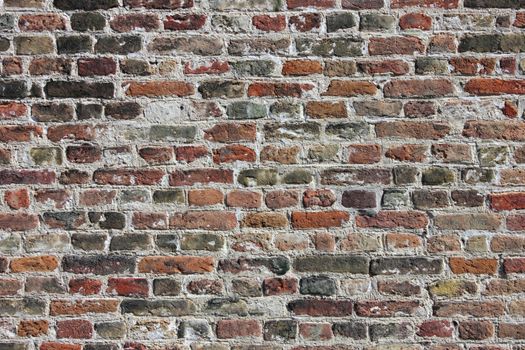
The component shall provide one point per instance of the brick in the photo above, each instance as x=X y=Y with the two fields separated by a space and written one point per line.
x=392 y=219
x=411 y=129
x=402 y=45
x=320 y=307
x=17 y=199
x=39 y=23
x=96 y=66
x=350 y=88
x=34 y=264
x=243 y=199
x=293 y=4
x=227 y=329
x=18 y=221
x=471 y=308
x=74 y=329
x=210 y=220
x=279 y=286
x=441 y=329
x=131 y=22
x=407 y=153
x=302 y=67
x=445 y=4
x=474 y=266
x=416 y=265
x=418 y=88
x=305 y=22
x=487 y=87
x=33 y=328
x=85 y=286
x=44 y=66
x=415 y=21
x=386 y=308
x=176 y=265
x=137 y=287
x=514 y=265
x=98 y=264
x=511 y=330
x=151 y=89
x=159 y=4
x=308 y=220
x=475 y=330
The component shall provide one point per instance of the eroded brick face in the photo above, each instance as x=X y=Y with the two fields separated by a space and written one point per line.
x=262 y=174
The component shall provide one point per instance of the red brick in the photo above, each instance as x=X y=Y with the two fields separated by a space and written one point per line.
x=74 y=329
x=243 y=199
x=12 y=110
x=490 y=86
x=208 y=67
x=228 y=329
x=134 y=21
x=400 y=45
x=44 y=263
x=393 y=219
x=96 y=66
x=507 y=201
x=19 y=133
x=176 y=264
x=294 y=4
x=190 y=153
x=415 y=21
x=419 y=88
x=441 y=329
x=280 y=286
x=184 y=22
x=204 y=197
x=514 y=265
x=233 y=153
x=83 y=306
x=18 y=221
x=137 y=287
x=305 y=22
x=319 y=219
x=17 y=199
x=150 y=221
x=41 y=22
x=394 y=67
x=350 y=88
x=497 y=129
x=364 y=154
x=262 y=89
x=85 y=286
x=229 y=132
x=269 y=23
x=158 y=88
x=33 y=328
x=302 y=67
x=59 y=346
x=476 y=266
x=445 y=4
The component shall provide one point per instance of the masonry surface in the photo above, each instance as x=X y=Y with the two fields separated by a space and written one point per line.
x=262 y=174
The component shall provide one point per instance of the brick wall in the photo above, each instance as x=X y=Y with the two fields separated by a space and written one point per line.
x=262 y=174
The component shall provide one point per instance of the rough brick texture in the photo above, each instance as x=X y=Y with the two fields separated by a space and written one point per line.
x=262 y=174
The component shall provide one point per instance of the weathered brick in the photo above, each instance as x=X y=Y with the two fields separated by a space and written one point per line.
x=271 y=172
x=321 y=307
x=175 y=265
